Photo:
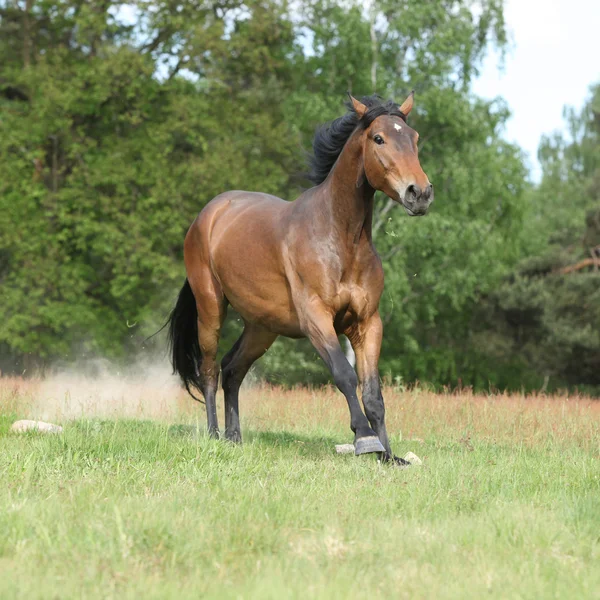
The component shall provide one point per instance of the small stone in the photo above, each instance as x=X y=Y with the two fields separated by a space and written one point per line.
x=26 y=425
x=413 y=459
x=344 y=448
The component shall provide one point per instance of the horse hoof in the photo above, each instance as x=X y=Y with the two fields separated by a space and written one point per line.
x=401 y=462
x=235 y=437
x=366 y=445
x=392 y=459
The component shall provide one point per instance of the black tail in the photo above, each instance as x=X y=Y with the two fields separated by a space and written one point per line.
x=183 y=340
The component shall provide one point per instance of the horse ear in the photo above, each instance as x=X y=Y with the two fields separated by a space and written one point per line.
x=359 y=108
x=408 y=104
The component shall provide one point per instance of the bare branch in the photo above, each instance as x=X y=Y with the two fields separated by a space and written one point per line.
x=380 y=217
x=180 y=63
x=160 y=37
x=391 y=252
x=27 y=34
x=372 y=17
x=582 y=264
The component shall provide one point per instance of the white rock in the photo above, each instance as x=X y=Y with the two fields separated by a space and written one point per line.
x=413 y=459
x=26 y=425
x=344 y=448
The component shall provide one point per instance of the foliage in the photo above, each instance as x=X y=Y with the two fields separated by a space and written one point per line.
x=120 y=121
x=547 y=313
x=104 y=162
x=441 y=265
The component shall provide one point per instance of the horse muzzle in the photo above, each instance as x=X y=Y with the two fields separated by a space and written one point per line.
x=417 y=200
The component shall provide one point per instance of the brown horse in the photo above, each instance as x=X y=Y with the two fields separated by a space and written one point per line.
x=306 y=268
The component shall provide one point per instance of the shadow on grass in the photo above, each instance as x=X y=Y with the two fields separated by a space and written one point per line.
x=186 y=431
x=302 y=444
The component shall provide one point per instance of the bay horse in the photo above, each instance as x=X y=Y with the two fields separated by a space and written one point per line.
x=306 y=268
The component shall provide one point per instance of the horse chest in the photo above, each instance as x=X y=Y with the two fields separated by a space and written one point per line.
x=351 y=299
x=357 y=291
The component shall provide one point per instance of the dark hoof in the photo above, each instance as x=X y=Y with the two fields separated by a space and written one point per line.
x=365 y=445
x=394 y=460
x=235 y=437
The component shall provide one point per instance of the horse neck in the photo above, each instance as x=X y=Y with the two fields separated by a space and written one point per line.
x=350 y=205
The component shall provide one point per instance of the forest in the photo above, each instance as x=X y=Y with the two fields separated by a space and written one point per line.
x=119 y=121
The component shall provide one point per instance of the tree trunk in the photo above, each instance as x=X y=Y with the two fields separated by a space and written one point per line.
x=27 y=33
x=372 y=17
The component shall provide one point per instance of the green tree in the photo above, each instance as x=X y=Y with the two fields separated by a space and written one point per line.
x=120 y=121
x=437 y=268
x=545 y=317
x=106 y=155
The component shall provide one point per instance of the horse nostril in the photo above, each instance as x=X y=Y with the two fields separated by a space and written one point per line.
x=428 y=192
x=415 y=190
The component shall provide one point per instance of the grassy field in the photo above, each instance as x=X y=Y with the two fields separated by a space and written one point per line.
x=131 y=502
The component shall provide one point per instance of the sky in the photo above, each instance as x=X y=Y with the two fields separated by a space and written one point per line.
x=553 y=60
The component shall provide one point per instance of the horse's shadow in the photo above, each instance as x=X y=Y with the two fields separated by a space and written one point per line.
x=301 y=443
x=305 y=444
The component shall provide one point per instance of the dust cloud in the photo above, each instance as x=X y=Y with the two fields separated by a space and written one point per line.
x=100 y=389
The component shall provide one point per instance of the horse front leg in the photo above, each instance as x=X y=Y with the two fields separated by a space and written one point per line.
x=365 y=337
x=318 y=327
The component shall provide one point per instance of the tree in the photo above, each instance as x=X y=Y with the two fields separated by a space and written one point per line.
x=546 y=314
x=437 y=267
x=106 y=155
x=120 y=121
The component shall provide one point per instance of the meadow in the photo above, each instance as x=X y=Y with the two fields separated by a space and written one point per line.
x=133 y=500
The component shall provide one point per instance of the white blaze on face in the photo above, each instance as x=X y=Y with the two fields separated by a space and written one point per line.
x=397 y=127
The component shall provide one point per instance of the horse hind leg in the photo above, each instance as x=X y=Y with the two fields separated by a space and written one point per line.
x=211 y=307
x=251 y=345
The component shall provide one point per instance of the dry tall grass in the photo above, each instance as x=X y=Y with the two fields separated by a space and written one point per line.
x=417 y=413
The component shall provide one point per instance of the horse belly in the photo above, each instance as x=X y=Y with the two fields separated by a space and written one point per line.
x=246 y=260
x=264 y=300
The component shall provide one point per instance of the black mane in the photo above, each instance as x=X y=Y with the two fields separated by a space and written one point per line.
x=331 y=137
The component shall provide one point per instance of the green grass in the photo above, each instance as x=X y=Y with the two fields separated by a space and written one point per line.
x=129 y=509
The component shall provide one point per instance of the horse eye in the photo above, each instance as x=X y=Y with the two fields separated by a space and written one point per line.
x=378 y=140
